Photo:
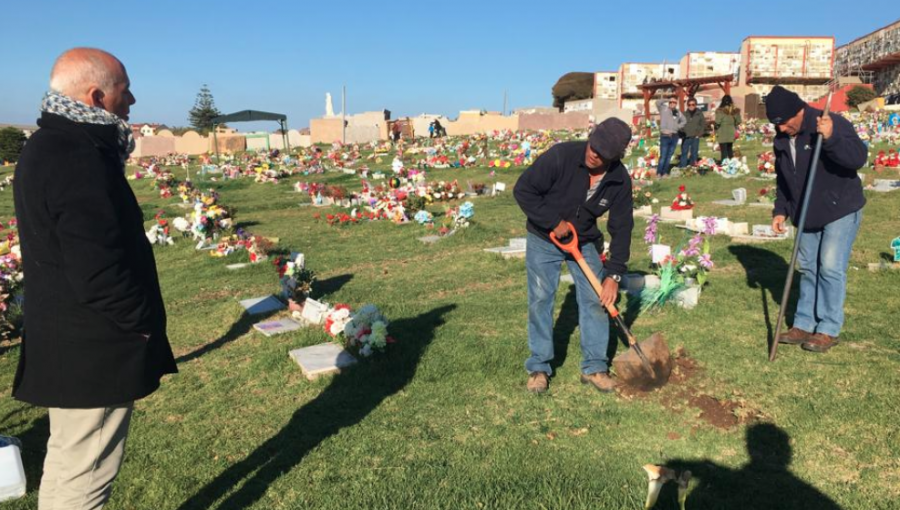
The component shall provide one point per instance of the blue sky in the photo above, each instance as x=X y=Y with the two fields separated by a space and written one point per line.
x=407 y=57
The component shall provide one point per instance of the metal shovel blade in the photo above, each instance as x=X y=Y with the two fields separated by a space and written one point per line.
x=630 y=369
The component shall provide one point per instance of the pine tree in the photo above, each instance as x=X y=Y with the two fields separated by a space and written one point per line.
x=204 y=111
x=12 y=140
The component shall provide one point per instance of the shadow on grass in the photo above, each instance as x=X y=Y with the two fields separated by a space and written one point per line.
x=240 y=328
x=331 y=285
x=350 y=397
x=767 y=271
x=245 y=323
x=34 y=449
x=765 y=482
x=563 y=328
x=887 y=257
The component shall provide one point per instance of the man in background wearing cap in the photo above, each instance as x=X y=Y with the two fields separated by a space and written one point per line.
x=576 y=182
x=671 y=121
x=835 y=211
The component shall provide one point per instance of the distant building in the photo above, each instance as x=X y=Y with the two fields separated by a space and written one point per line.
x=875 y=58
x=142 y=129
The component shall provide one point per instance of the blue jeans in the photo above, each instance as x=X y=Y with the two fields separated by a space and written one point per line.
x=823 y=258
x=690 y=151
x=667 y=144
x=543 y=260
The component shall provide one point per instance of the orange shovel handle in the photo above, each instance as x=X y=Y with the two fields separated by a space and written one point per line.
x=571 y=247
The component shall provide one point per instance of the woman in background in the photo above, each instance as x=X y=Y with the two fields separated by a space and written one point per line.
x=728 y=119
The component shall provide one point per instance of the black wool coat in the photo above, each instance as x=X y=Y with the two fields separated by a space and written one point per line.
x=95 y=324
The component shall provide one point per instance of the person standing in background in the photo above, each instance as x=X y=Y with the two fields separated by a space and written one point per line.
x=728 y=120
x=671 y=121
x=695 y=125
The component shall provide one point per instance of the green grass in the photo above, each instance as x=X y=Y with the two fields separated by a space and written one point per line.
x=443 y=420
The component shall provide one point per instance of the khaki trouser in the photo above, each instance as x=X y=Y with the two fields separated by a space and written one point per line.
x=84 y=453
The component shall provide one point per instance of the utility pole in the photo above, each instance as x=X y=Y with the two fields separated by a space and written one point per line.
x=504 y=103
x=344 y=115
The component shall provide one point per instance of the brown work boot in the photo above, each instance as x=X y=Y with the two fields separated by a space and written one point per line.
x=795 y=336
x=538 y=382
x=600 y=380
x=820 y=342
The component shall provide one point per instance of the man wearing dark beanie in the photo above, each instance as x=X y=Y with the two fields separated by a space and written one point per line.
x=576 y=182
x=835 y=211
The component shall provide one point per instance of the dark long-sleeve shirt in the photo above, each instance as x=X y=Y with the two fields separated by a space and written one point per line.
x=555 y=188
x=838 y=189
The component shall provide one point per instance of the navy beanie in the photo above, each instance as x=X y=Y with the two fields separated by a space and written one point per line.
x=782 y=105
x=610 y=138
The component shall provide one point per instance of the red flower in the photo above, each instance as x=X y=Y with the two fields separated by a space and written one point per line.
x=329 y=217
x=681 y=188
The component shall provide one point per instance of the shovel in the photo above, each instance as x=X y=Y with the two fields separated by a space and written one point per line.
x=635 y=367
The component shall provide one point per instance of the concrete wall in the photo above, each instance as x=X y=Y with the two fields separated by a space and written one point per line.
x=554 y=121
x=325 y=130
x=229 y=143
x=153 y=146
x=472 y=122
x=420 y=123
x=191 y=143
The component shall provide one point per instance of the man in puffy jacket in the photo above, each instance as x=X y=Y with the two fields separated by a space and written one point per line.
x=835 y=211
x=576 y=183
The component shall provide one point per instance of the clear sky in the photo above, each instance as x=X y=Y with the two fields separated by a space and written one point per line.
x=404 y=56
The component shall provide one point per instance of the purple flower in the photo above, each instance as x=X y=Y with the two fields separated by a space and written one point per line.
x=650 y=232
x=706 y=261
x=709 y=225
x=693 y=248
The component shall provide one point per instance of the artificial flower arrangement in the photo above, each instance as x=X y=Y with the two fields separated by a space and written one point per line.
x=295 y=278
x=443 y=191
x=163 y=179
x=890 y=160
x=642 y=196
x=499 y=163
x=765 y=164
x=6 y=182
x=692 y=263
x=457 y=217
x=165 y=191
x=207 y=221
x=682 y=201
x=186 y=192
x=733 y=167
x=423 y=217
x=767 y=195
x=159 y=232
x=365 y=330
x=11 y=280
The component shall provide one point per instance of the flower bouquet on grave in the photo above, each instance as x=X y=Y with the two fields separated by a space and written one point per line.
x=187 y=192
x=689 y=268
x=295 y=278
x=767 y=195
x=159 y=232
x=765 y=164
x=165 y=191
x=366 y=329
x=642 y=196
x=682 y=201
x=414 y=203
x=733 y=167
x=163 y=179
x=11 y=279
x=424 y=217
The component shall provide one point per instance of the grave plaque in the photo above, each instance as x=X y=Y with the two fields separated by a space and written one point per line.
x=322 y=359
x=313 y=311
x=257 y=306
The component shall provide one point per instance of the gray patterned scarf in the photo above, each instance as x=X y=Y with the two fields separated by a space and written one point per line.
x=81 y=113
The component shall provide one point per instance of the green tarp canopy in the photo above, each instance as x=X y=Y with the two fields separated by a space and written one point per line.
x=251 y=116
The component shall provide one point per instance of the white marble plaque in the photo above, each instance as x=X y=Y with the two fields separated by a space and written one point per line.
x=322 y=359
x=313 y=311
x=256 y=306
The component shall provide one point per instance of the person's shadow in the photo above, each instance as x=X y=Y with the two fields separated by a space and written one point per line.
x=347 y=400
x=563 y=328
x=245 y=322
x=764 y=483
x=767 y=271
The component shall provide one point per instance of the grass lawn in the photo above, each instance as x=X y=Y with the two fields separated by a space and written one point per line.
x=443 y=419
